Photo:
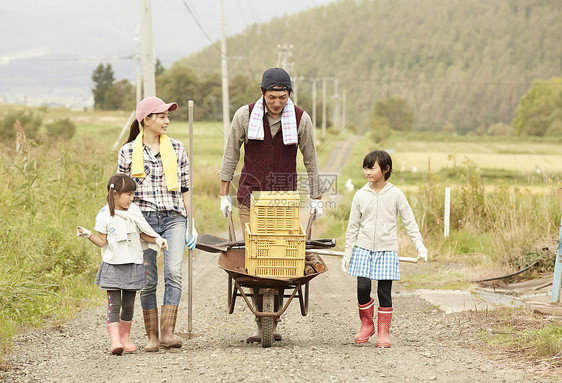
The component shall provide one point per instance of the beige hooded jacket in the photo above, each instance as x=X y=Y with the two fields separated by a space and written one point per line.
x=373 y=219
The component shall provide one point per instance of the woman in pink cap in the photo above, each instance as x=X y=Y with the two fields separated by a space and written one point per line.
x=159 y=166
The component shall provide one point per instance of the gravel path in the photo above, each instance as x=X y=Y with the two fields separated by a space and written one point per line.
x=428 y=345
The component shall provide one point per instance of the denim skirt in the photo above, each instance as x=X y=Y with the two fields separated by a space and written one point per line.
x=128 y=276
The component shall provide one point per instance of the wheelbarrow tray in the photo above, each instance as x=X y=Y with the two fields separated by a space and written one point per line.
x=233 y=262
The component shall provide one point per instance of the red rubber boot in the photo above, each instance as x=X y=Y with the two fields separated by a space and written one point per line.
x=367 y=329
x=383 y=335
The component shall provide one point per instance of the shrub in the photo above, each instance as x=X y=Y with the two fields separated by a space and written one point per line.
x=30 y=122
x=62 y=128
x=500 y=129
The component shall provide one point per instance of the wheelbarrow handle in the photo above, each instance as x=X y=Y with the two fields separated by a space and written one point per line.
x=231 y=232
x=309 y=225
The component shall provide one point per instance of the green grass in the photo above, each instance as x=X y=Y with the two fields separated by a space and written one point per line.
x=46 y=273
x=531 y=336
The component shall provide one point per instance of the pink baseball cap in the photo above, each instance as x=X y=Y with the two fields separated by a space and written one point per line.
x=153 y=105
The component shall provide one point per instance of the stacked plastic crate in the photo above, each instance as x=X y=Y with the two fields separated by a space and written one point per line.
x=275 y=240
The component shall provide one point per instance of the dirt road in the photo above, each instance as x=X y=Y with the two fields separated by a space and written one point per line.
x=428 y=345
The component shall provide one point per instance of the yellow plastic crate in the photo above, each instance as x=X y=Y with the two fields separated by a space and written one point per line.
x=275 y=255
x=274 y=212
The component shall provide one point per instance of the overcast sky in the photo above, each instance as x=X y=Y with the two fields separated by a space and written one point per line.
x=50 y=47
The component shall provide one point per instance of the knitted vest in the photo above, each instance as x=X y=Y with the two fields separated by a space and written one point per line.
x=268 y=164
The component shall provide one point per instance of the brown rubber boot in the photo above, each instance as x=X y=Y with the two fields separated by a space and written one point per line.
x=168 y=317
x=124 y=333
x=114 y=337
x=383 y=336
x=367 y=329
x=151 y=326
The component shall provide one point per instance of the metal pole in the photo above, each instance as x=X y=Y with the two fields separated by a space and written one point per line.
x=189 y=225
x=148 y=50
x=224 y=69
x=557 y=280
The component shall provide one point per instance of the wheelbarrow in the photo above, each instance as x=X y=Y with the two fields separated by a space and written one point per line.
x=270 y=290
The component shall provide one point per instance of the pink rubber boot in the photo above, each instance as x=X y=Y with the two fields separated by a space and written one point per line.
x=124 y=333
x=115 y=338
x=383 y=335
x=367 y=329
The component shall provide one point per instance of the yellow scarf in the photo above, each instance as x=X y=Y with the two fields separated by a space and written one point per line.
x=169 y=161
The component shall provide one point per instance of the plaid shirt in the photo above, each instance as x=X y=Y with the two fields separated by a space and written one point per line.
x=152 y=193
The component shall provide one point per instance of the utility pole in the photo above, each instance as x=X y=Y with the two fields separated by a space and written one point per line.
x=285 y=54
x=138 y=59
x=284 y=60
x=336 y=108
x=139 y=79
x=295 y=90
x=314 y=106
x=148 y=50
x=343 y=111
x=224 y=68
x=324 y=107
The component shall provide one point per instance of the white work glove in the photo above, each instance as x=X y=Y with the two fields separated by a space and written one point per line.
x=316 y=207
x=191 y=242
x=344 y=265
x=83 y=232
x=226 y=204
x=162 y=243
x=422 y=253
x=345 y=261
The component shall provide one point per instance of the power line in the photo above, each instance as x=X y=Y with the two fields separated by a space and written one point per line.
x=253 y=11
x=200 y=26
x=242 y=13
x=131 y=57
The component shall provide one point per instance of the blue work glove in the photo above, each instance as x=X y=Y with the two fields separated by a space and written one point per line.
x=191 y=242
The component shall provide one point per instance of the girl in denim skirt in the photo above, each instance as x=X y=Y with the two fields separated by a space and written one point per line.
x=371 y=244
x=122 y=234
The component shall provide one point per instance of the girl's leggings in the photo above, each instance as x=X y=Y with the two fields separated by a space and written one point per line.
x=383 y=291
x=120 y=301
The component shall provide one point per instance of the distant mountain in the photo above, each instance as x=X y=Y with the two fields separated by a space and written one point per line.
x=464 y=63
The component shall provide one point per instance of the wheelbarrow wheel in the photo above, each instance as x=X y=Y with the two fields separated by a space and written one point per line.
x=267 y=338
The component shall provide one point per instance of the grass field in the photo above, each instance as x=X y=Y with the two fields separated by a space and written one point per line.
x=503 y=213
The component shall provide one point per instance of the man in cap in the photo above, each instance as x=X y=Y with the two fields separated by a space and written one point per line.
x=271 y=129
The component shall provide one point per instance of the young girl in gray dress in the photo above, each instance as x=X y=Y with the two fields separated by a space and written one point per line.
x=123 y=233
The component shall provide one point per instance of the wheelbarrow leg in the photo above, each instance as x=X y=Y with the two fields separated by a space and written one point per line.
x=232 y=292
x=303 y=300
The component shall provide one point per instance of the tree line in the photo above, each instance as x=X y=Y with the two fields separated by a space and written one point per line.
x=539 y=112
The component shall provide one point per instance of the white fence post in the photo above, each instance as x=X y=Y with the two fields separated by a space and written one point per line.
x=447 y=211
